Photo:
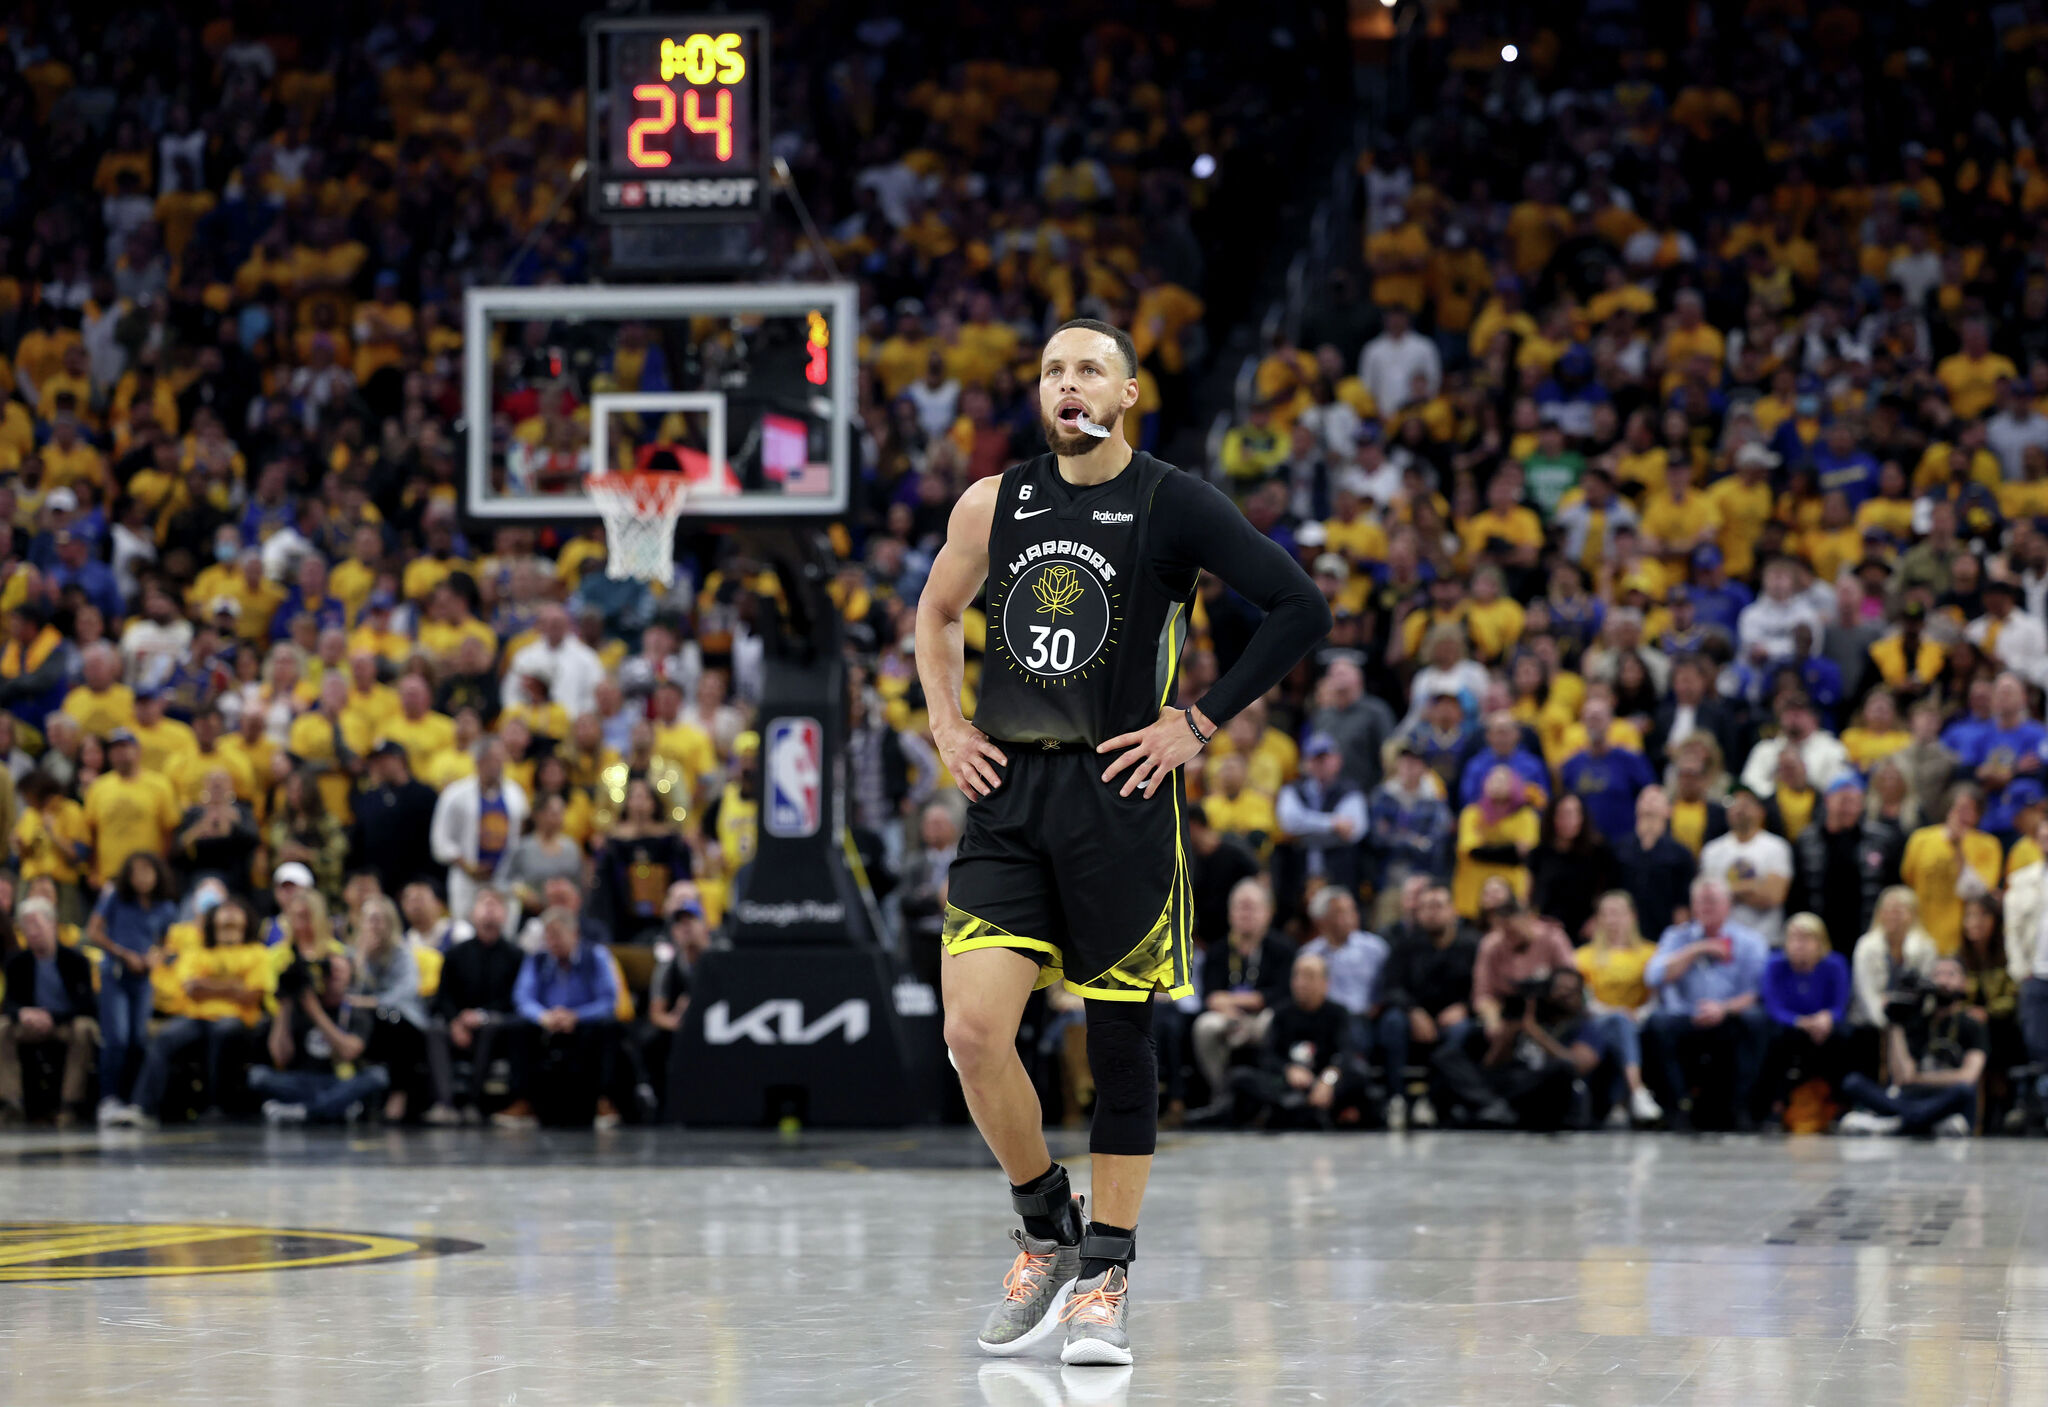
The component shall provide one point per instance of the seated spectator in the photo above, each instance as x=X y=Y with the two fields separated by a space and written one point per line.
x=1656 y=869
x=1425 y=990
x=1707 y=974
x=223 y=982
x=319 y=1081
x=1352 y=957
x=1618 y=1000
x=1806 y=990
x=567 y=1005
x=1935 y=1053
x=1412 y=826
x=1520 y=1070
x=429 y=925
x=1307 y=1075
x=1323 y=818
x=49 y=1000
x=1571 y=867
x=474 y=1003
x=387 y=985
x=1242 y=977
x=1755 y=865
x=1697 y=779
x=1951 y=862
x=1992 y=991
x=1495 y=835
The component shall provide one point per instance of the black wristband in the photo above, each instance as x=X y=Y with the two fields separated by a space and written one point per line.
x=1196 y=728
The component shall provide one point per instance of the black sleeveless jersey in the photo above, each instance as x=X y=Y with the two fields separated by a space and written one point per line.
x=1084 y=640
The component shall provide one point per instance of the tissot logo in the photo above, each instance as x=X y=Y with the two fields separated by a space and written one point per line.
x=781 y=1022
x=1102 y=517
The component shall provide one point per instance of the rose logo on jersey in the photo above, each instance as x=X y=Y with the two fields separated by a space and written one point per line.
x=1056 y=615
x=795 y=778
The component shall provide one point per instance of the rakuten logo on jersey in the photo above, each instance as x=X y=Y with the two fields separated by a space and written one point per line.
x=1102 y=517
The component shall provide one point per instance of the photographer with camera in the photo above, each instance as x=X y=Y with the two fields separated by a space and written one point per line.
x=1936 y=1052
x=1520 y=1071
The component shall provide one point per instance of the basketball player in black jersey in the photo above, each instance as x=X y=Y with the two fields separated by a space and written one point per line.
x=1073 y=866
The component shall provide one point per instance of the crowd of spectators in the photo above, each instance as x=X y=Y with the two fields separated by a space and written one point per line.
x=1671 y=457
x=322 y=797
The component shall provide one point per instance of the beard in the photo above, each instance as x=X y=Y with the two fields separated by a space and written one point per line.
x=1069 y=444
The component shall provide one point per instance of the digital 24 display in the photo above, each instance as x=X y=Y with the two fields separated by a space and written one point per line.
x=679 y=117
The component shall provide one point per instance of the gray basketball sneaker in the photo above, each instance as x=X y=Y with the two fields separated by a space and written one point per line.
x=1094 y=1318
x=1034 y=1293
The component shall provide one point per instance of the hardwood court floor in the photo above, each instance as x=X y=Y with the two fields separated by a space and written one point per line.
x=680 y=1267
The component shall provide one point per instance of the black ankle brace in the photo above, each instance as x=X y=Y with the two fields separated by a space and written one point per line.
x=1047 y=1206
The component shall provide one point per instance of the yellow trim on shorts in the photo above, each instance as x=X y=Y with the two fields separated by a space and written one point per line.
x=963 y=937
x=1176 y=919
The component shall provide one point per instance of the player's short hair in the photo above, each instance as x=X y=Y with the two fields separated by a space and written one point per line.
x=1124 y=346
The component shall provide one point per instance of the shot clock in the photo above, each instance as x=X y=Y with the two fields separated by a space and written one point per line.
x=678 y=118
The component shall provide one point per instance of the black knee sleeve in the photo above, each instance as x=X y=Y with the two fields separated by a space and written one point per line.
x=1126 y=1078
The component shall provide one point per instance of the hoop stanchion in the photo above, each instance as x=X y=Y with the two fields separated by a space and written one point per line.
x=640 y=512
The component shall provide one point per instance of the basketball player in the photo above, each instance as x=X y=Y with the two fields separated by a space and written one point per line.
x=1072 y=865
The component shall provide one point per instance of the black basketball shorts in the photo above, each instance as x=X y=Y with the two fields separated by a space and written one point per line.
x=1094 y=886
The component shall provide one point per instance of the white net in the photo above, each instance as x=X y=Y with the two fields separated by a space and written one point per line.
x=640 y=513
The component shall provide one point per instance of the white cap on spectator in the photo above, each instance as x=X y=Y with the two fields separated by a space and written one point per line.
x=291 y=872
x=61 y=499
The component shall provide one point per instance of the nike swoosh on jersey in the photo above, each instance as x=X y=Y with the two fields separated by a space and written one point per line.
x=1022 y=515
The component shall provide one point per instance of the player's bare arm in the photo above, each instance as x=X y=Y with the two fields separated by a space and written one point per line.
x=955 y=582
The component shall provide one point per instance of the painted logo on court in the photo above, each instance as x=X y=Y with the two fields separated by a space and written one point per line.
x=1056 y=616
x=87 y=1250
x=795 y=776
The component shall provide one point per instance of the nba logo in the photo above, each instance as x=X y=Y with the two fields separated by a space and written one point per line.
x=795 y=777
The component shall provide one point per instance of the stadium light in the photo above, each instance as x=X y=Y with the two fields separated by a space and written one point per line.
x=1509 y=53
x=1389 y=4
x=1205 y=166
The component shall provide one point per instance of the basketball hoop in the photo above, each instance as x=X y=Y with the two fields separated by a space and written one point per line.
x=640 y=512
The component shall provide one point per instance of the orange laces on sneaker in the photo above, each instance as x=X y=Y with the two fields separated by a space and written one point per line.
x=1025 y=1274
x=1098 y=1306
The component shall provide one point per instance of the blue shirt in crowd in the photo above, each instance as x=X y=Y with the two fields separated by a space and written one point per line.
x=1789 y=994
x=1708 y=979
x=1525 y=765
x=1607 y=785
x=132 y=926
x=1354 y=968
x=584 y=985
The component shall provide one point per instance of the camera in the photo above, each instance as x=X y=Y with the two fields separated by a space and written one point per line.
x=1527 y=990
x=1913 y=999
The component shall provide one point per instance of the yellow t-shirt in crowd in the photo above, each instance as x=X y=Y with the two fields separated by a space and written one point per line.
x=1519 y=827
x=125 y=816
x=1931 y=867
x=1972 y=382
x=187 y=774
x=1614 y=976
x=423 y=739
x=45 y=842
x=101 y=713
x=1249 y=813
x=162 y=743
